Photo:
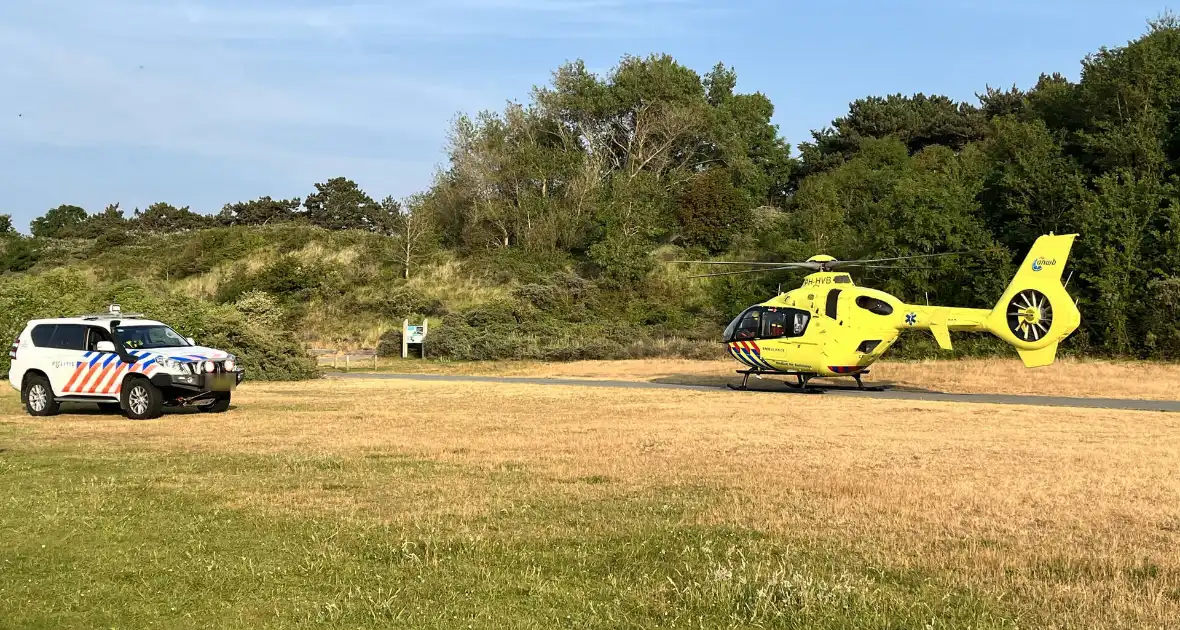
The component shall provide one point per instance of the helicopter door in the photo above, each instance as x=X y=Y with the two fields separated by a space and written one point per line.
x=833 y=303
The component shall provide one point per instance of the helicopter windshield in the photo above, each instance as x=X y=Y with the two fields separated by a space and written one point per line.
x=767 y=322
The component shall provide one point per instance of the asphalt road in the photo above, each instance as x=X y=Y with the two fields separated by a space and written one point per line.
x=774 y=386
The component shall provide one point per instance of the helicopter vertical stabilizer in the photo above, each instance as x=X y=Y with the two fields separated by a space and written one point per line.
x=1036 y=313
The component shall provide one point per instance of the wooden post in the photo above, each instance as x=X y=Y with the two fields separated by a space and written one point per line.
x=405 y=336
x=336 y=360
x=347 y=358
x=374 y=360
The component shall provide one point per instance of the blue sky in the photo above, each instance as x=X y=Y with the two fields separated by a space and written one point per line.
x=203 y=102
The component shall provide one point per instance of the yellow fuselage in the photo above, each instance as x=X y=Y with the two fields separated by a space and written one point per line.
x=831 y=327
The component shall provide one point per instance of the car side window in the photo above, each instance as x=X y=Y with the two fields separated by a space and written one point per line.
x=69 y=337
x=94 y=334
x=42 y=335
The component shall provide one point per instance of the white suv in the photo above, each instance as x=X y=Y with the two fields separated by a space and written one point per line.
x=120 y=361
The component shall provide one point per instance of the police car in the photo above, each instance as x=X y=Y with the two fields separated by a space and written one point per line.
x=121 y=361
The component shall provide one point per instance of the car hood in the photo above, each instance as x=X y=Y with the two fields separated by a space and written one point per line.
x=187 y=353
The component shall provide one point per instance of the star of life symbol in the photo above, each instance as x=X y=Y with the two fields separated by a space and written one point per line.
x=911 y=318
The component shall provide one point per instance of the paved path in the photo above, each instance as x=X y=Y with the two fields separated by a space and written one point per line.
x=890 y=394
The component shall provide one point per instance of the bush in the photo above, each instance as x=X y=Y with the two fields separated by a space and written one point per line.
x=1162 y=319
x=390 y=343
x=400 y=303
x=260 y=309
x=19 y=254
x=202 y=251
x=288 y=277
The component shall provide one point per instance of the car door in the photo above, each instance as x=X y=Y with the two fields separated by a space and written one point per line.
x=108 y=367
x=68 y=345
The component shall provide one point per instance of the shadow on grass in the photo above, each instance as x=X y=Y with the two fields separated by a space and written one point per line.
x=92 y=409
x=776 y=383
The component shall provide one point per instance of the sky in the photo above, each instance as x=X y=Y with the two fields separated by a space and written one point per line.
x=204 y=102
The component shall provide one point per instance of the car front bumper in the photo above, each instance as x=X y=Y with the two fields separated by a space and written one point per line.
x=205 y=382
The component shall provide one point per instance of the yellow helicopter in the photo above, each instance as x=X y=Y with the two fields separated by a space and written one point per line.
x=829 y=326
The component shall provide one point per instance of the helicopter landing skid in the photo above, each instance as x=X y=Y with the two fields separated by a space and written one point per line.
x=801 y=382
x=801 y=387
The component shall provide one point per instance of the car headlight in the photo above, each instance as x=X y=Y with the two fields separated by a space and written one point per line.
x=209 y=366
x=229 y=365
x=168 y=364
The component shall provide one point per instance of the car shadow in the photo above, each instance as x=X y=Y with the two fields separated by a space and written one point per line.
x=91 y=409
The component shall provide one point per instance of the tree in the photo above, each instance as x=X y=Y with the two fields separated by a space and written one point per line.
x=918 y=121
x=6 y=228
x=261 y=211
x=165 y=218
x=412 y=227
x=58 y=222
x=1031 y=186
x=712 y=211
x=110 y=220
x=339 y=204
x=1119 y=251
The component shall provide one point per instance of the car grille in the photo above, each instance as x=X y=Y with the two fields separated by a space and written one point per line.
x=195 y=367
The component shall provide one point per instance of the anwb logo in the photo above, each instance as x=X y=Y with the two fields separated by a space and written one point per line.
x=1041 y=263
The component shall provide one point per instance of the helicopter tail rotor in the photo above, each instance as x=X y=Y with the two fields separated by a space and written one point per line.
x=1036 y=313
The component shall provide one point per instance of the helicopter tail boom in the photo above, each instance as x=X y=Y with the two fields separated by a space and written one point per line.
x=1034 y=314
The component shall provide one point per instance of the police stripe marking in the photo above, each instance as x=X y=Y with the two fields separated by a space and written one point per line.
x=101 y=372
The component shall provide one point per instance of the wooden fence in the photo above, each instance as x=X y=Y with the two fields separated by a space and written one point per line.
x=345 y=359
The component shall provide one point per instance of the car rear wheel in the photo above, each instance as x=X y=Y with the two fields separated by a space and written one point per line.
x=142 y=400
x=37 y=395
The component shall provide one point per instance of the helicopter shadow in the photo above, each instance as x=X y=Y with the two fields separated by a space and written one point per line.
x=778 y=383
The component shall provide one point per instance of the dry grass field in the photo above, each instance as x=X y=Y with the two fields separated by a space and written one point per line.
x=1066 y=377
x=422 y=504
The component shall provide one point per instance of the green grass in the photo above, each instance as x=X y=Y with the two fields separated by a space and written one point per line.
x=134 y=539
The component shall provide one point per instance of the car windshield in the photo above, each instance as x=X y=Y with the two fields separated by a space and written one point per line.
x=149 y=336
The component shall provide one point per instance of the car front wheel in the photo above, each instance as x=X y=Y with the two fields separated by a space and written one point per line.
x=38 y=396
x=142 y=400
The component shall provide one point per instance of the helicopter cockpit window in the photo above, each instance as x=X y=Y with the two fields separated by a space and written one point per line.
x=750 y=325
x=763 y=322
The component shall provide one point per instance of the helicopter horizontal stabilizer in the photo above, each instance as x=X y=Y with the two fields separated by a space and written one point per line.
x=941 y=334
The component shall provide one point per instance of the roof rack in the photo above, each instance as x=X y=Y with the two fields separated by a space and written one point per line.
x=113 y=312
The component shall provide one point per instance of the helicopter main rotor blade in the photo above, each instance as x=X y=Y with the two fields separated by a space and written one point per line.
x=800 y=265
x=840 y=263
x=735 y=273
x=891 y=267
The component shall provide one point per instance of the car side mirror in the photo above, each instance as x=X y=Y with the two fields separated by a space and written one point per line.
x=190 y=341
x=104 y=346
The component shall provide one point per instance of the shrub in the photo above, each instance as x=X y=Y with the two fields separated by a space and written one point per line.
x=390 y=343
x=400 y=303
x=288 y=277
x=1162 y=319
x=19 y=254
x=202 y=251
x=260 y=309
